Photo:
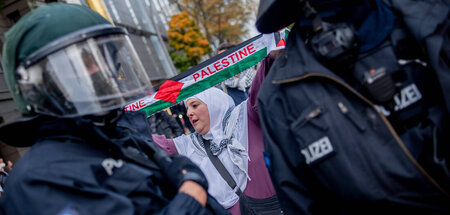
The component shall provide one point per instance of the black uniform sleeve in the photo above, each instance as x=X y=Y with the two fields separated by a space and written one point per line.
x=38 y=193
x=438 y=48
x=282 y=154
x=42 y=192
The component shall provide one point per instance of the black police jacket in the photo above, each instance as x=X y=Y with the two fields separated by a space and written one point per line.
x=69 y=170
x=329 y=151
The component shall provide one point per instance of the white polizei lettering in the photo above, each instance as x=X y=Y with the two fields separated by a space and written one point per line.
x=109 y=163
x=326 y=147
x=305 y=153
x=317 y=150
x=409 y=95
x=398 y=102
x=412 y=94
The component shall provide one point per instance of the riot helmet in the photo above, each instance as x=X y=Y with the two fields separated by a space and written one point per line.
x=327 y=26
x=66 y=60
x=276 y=14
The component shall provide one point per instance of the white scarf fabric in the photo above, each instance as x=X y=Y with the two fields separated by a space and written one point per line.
x=229 y=141
x=243 y=82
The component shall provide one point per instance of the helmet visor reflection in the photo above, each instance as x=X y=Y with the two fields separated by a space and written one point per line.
x=92 y=76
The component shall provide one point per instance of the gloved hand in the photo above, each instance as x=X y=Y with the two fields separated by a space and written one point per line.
x=181 y=169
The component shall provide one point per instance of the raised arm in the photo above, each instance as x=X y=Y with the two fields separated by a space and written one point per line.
x=165 y=144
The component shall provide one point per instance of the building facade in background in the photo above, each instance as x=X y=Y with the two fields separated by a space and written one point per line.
x=145 y=20
x=142 y=19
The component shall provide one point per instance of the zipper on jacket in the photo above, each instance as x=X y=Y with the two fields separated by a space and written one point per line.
x=372 y=105
x=313 y=114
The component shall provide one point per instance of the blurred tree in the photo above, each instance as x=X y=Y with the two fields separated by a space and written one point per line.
x=221 y=20
x=187 y=43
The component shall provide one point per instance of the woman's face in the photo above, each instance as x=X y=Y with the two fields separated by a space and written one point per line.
x=198 y=114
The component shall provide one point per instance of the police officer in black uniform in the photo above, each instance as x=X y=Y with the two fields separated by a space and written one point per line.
x=355 y=112
x=70 y=72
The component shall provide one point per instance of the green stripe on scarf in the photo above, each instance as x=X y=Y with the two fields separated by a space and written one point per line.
x=209 y=81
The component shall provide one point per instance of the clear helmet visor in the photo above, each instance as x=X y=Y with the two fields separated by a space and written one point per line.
x=88 y=77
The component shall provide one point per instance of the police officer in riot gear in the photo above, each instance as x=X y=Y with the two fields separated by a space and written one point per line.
x=355 y=112
x=70 y=72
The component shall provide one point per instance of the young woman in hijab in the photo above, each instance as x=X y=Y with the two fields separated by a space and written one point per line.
x=233 y=134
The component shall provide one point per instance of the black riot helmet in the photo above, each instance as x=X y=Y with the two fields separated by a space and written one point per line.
x=66 y=60
x=274 y=15
x=334 y=42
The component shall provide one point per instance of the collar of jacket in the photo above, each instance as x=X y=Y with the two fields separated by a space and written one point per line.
x=25 y=131
x=297 y=61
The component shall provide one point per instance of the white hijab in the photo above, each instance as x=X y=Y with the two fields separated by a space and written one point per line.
x=229 y=140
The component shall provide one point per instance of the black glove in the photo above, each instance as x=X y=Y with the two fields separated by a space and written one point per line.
x=179 y=169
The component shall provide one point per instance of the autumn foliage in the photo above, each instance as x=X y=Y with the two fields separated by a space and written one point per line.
x=188 y=44
x=221 y=20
